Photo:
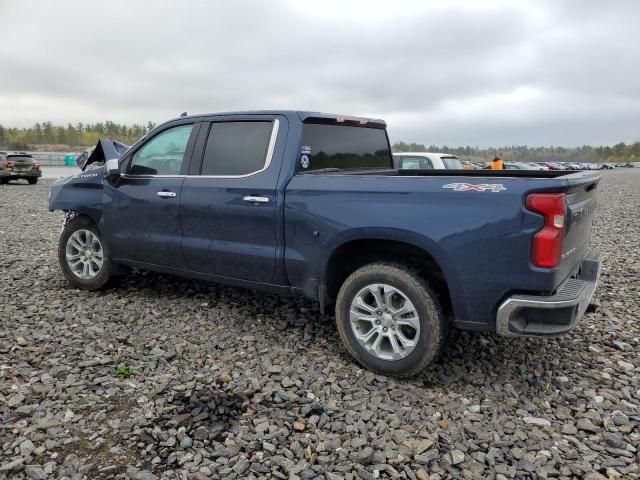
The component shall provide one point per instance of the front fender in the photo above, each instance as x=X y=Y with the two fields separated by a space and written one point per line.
x=81 y=193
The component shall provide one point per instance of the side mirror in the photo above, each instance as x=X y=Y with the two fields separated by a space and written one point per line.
x=112 y=169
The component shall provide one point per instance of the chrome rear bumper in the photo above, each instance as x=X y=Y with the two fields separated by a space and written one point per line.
x=531 y=315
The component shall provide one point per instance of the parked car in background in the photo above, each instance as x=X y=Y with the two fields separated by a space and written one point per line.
x=4 y=171
x=426 y=161
x=519 y=166
x=21 y=166
x=514 y=166
x=303 y=203
x=471 y=166
x=535 y=166
x=552 y=165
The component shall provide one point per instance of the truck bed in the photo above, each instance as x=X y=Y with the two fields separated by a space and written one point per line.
x=486 y=173
x=463 y=173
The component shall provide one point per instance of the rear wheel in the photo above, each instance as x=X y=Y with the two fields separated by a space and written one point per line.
x=83 y=255
x=32 y=181
x=389 y=320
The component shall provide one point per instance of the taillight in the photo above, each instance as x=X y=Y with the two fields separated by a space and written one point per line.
x=547 y=243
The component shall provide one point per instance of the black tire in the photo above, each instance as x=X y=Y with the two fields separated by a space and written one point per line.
x=104 y=273
x=4 y=181
x=432 y=335
x=32 y=181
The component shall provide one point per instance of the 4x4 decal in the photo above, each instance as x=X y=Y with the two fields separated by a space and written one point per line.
x=475 y=187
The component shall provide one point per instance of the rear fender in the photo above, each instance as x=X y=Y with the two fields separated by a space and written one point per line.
x=430 y=247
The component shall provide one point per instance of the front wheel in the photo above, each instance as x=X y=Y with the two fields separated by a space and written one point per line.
x=32 y=181
x=389 y=320
x=83 y=255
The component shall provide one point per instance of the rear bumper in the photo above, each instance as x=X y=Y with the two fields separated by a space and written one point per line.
x=26 y=174
x=531 y=315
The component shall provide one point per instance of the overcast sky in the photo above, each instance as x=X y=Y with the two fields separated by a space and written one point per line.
x=451 y=72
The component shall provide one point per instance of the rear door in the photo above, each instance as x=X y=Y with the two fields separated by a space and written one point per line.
x=229 y=204
x=141 y=210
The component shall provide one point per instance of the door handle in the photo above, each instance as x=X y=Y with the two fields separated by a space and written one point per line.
x=165 y=194
x=254 y=199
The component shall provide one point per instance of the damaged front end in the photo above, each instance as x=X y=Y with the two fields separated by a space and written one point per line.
x=103 y=151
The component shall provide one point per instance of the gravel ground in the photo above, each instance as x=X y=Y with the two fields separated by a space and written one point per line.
x=160 y=377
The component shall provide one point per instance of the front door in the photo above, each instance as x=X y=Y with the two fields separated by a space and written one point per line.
x=142 y=209
x=229 y=210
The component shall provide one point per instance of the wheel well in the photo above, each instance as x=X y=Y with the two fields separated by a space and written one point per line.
x=84 y=217
x=352 y=255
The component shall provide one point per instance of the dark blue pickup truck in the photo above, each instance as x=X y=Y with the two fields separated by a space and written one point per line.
x=302 y=203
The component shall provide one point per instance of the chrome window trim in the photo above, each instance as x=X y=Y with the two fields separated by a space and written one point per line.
x=268 y=159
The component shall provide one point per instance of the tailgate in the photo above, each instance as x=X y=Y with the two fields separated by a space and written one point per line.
x=582 y=196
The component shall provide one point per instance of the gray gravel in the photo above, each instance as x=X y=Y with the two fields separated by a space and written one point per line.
x=227 y=383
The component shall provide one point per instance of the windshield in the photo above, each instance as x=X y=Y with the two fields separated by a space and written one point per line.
x=451 y=163
x=343 y=146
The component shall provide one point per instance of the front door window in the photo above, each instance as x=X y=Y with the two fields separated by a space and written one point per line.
x=163 y=154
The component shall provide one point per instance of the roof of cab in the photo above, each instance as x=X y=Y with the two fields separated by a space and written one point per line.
x=302 y=115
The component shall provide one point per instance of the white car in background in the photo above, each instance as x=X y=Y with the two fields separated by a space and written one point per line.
x=426 y=161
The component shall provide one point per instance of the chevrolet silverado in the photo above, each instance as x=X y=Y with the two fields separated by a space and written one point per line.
x=302 y=203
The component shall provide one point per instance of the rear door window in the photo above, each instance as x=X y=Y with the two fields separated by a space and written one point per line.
x=237 y=148
x=344 y=147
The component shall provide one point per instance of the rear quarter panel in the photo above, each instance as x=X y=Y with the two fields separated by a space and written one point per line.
x=481 y=240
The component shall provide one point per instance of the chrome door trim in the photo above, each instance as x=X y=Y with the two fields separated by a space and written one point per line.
x=268 y=159
x=255 y=199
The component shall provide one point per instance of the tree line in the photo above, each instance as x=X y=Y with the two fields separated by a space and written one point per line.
x=620 y=152
x=85 y=135
x=76 y=137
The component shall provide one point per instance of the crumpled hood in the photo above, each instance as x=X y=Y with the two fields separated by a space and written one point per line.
x=104 y=150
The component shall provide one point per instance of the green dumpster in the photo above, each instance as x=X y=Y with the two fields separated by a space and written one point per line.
x=69 y=160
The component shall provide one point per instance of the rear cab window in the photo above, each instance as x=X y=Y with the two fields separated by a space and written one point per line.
x=327 y=145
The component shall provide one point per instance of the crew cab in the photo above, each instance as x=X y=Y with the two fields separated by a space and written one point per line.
x=302 y=203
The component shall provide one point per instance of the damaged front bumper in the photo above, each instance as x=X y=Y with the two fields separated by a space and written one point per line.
x=531 y=315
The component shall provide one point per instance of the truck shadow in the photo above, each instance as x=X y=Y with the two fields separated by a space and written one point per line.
x=470 y=359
